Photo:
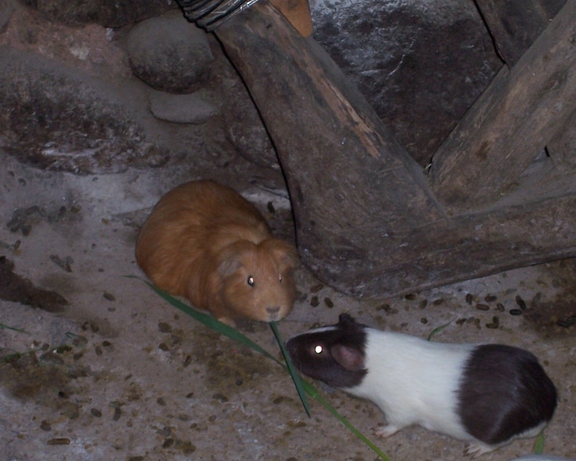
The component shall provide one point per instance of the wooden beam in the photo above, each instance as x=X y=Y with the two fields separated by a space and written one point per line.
x=516 y=24
x=513 y=120
x=349 y=180
x=469 y=247
x=297 y=12
x=562 y=148
x=366 y=221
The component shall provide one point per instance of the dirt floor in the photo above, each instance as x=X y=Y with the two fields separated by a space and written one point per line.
x=95 y=366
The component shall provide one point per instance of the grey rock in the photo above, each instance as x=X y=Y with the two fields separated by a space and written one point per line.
x=59 y=118
x=181 y=108
x=169 y=54
x=420 y=64
x=6 y=9
x=108 y=13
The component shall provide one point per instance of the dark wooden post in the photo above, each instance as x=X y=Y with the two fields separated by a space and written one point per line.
x=366 y=220
x=515 y=24
x=511 y=123
x=351 y=184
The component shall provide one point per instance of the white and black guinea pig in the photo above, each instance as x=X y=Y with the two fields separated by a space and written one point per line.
x=486 y=394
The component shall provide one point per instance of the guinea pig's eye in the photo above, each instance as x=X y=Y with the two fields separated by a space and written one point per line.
x=318 y=349
x=250 y=281
x=280 y=277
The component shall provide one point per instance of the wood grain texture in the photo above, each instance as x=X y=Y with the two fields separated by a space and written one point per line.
x=348 y=178
x=297 y=12
x=511 y=123
x=515 y=24
x=366 y=221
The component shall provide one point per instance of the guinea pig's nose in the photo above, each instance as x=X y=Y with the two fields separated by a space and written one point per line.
x=273 y=310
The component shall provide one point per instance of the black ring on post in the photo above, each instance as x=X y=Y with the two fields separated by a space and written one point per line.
x=209 y=14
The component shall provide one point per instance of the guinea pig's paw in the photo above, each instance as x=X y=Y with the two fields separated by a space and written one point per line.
x=386 y=431
x=477 y=449
x=227 y=320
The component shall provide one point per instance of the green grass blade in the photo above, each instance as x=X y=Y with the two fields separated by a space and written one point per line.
x=291 y=369
x=539 y=444
x=12 y=328
x=234 y=334
x=438 y=330
x=344 y=421
x=211 y=322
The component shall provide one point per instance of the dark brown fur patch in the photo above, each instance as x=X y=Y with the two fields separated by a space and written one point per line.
x=504 y=391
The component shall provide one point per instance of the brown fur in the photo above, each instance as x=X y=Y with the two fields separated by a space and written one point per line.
x=203 y=241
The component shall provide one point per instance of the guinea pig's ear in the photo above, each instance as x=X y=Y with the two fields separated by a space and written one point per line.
x=229 y=265
x=231 y=257
x=350 y=358
x=283 y=252
x=346 y=320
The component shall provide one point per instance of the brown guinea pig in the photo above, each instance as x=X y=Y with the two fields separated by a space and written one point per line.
x=206 y=242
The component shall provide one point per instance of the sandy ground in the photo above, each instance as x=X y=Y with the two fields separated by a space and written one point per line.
x=103 y=369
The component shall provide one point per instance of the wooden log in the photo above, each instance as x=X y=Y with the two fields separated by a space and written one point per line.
x=297 y=12
x=562 y=148
x=513 y=120
x=474 y=246
x=350 y=182
x=515 y=24
x=366 y=222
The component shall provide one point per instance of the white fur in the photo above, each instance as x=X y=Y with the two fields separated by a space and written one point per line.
x=316 y=330
x=414 y=381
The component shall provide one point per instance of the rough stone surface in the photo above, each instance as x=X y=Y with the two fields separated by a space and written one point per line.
x=169 y=53
x=108 y=13
x=6 y=9
x=420 y=64
x=90 y=48
x=193 y=108
x=71 y=103
x=60 y=119
x=403 y=57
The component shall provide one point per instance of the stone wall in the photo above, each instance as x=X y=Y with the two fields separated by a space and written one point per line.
x=101 y=86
